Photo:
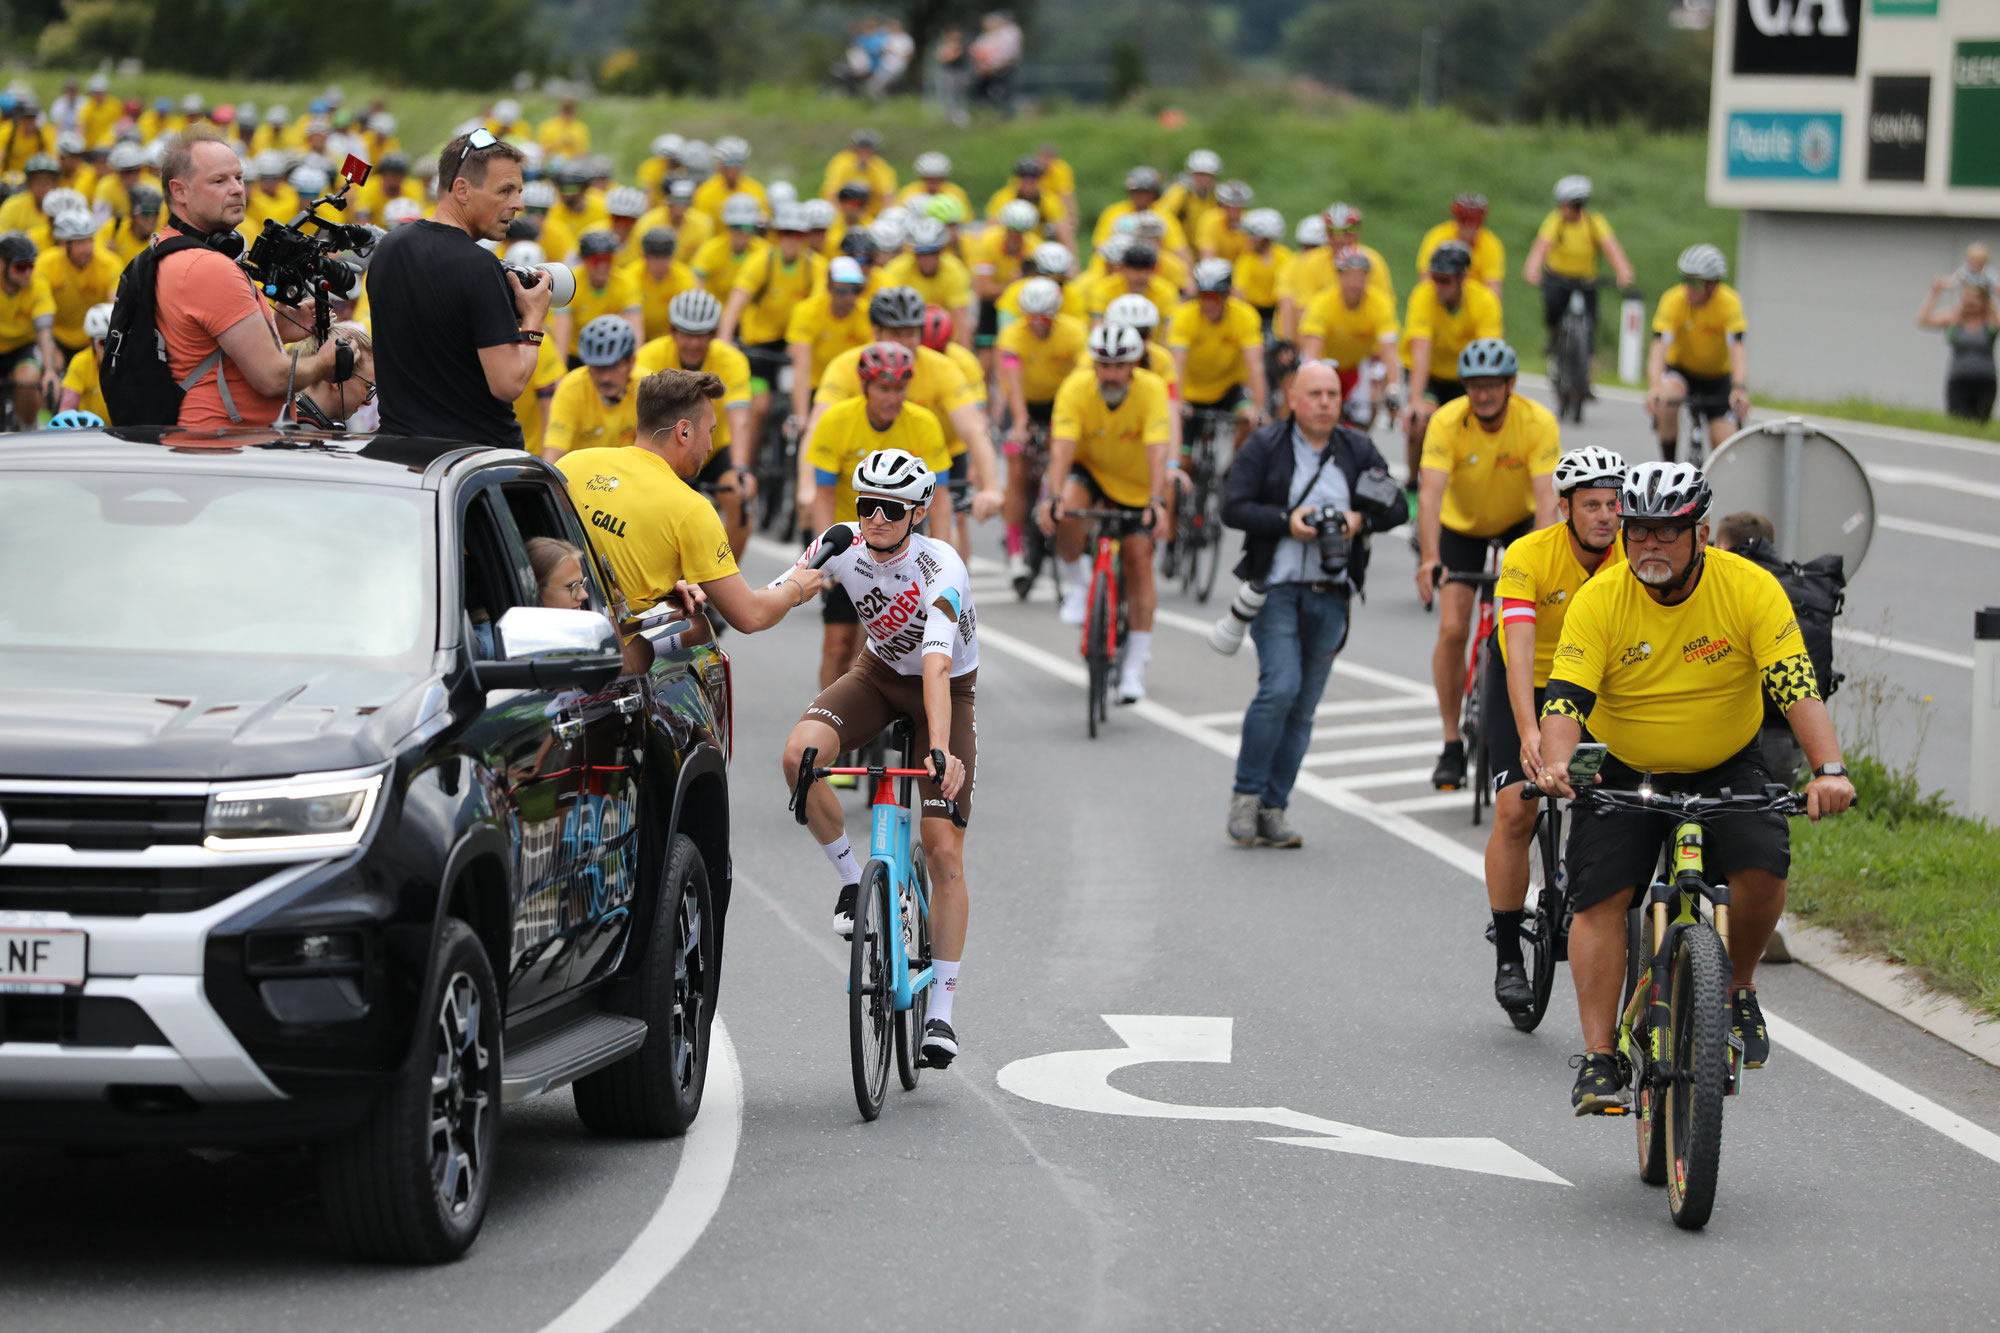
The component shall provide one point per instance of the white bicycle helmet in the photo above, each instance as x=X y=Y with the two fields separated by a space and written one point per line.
x=1573 y=189
x=928 y=236
x=1657 y=492
x=1052 y=259
x=697 y=157
x=1145 y=225
x=63 y=200
x=1592 y=465
x=933 y=166
x=788 y=217
x=1132 y=311
x=742 y=210
x=97 y=322
x=1311 y=231
x=732 y=151
x=781 y=193
x=1020 y=215
x=1214 y=275
x=73 y=224
x=623 y=201
x=606 y=341
x=128 y=156
x=1234 y=194
x=529 y=253
x=896 y=474
x=888 y=234
x=1704 y=261
x=694 y=311
x=397 y=212
x=681 y=190
x=666 y=145
x=1265 y=224
x=1116 y=343
x=819 y=214
x=538 y=194
x=308 y=180
x=1040 y=296
x=1202 y=162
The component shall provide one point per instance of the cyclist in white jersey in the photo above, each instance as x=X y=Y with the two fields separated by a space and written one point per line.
x=922 y=655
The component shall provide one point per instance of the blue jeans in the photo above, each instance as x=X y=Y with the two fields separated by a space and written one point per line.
x=1297 y=634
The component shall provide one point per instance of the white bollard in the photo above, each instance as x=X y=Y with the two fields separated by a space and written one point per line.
x=1985 y=788
x=1631 y=339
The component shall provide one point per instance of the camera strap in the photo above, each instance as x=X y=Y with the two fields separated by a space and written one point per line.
x=1325 y=457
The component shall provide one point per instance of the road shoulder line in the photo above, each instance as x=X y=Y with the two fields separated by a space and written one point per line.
x=1896 y=989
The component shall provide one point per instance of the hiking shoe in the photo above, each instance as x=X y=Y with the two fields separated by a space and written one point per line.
x=1449 y=775
x=843 y=911
x=1272 y=830
x=1511 y=987
x=940 y=1044
x=1747 y=1017
x=1243 y=807
x=1599 y=1089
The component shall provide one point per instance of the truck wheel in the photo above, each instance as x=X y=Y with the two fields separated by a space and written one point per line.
x=411 y=1185
x=656 y=1090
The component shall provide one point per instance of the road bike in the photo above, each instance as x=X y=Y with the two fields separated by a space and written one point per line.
x=776 y=471
x=1676 y=1045
x=1545 y=926
x=1481 y=661
x=1569 y=356
x=1195 y=549
x=1036 y=549
x=1103 y=645
x=889 y=955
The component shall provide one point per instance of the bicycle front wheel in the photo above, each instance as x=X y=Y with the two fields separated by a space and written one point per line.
x=916 y=924
x=871 y=999
x=1472 y=730
x=1544 y=925
x=1698 y=1008
x=1097 y=651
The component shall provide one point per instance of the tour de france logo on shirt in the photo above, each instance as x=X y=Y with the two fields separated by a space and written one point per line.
x=600 y=482
x=1706 y=650
x=1556 y=598
x=1638 y=652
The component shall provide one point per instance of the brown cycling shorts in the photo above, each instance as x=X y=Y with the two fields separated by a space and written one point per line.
x=872 y=695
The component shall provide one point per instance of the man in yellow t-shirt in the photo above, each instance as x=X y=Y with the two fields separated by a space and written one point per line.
x=941 y=278
x=691 y=229
x=722 y=257
x=1219 y=234
x=563 y=135
x=531 y=409
x=861 y=160
x=1698 y=357
x=1539 y=575
x=82 y=388
x=1218 y=347
x=1136 y=273
x=692 y=345
x=1265 y=265
x=78 y=274
x=601 y=289
x=1468 y=228
x=881 y=417
x=823 y=326
x=1447 y=312
x=934 y=179
x=1353 y=324
x=660 y=537
x=999 y=257
x=1029 y=185
x=594 y=405
x=1563 y=258
x=1143 y=188
x=1108 y=448
x=125 y=237
x=731 y=156
x=1038 y=353
x=660 y=278
x=1669 y=661
x=391 y=179
x=768 y=287
x=29 y=357
x=1196 y=196
x=1486 y=475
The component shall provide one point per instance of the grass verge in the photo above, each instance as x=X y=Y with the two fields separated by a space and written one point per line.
x=1880 y=414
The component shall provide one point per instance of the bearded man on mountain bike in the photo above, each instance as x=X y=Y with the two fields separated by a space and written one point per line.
x=1668 y=664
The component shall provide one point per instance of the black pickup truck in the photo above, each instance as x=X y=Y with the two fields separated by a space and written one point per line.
x=318 y=827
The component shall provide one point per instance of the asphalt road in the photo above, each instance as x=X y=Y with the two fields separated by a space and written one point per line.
x=1340 y=989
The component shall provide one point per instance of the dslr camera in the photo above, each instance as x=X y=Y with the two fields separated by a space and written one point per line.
x=289 y=264
x=1334 y=547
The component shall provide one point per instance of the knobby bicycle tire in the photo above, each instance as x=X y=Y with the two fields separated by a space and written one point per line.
x=1097 y=651
x=916 y=924
x=1648 y=1122
x=1698 y=1005
x=870 y=1000
x=1545 y=923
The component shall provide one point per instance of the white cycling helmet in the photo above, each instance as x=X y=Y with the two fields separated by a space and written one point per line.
x=1203 y=162
x=1040 y=296
x=63 y=200
x=97 y=322
x=269 y=164
x=539 y=194
x=383 y=124
x=1265 y=224
x=933 y=166
x=1116 y=343
x=697 y=157
x=1234 y=194
x=888 y=233
x=788 y=217
x=1704 y=261
x=681 y=190
x=1214 y=276
x=667 y=145
x=732 y=150
x=1145 y=225
x=128 y=156
x=916 y=205
x=1592 y=465
x=1658 y=492
x=400 y=212
x=896 y=474
x=781 y=193
x=529 y=253
x=1311 y=231
x=1573 y=189
x=623 y=201
x=606 y=341
x=506 y=111
x=1052 y=259
x=1133 y=311
x=742 y=210
x=694 y=311
x=73 y=224
x=820 y=214
x=928 y=236
x=1020 y=215
x=308 y=180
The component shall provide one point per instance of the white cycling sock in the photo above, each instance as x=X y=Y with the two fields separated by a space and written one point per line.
x=842 y=857
x=944 y=986
x=1076 y=573
x=1139 y=646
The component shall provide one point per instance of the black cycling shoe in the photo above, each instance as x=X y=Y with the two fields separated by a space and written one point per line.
x=1511 y=987
x=940 y=1044
x=1600 y=1088
x=1449 y=775
x=843 y=911
x=1747 y=1017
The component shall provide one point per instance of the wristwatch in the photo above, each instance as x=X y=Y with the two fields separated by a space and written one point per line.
x=1830 y=771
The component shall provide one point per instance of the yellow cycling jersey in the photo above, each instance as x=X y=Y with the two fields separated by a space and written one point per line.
x=1490 y=475
x=1184 y=206
x=75 y=290
x=1477 y=316
x=712 y=193
x=652 y=527
x=563 y=136
x=1489 y=256
x=117 y=238
x=368 y=200
x=618 y=295
x=1108 y=220
x=1573 y=246
x=844 y=436
x=1350 y=335
x=98 y=119
x=844 y=166
x=937 y=383
x=531 y=408
x=1008 y=303
x=1539 y=575
x=1313 y=272
x=1058 y=177
x=1048 y=201
x=588 y=215
x=968 y=365
x=1045 y=362
x=950 y=286
x=579 y=418
x=1261 y=278
x=691 y=231
x=1214 y=235
x=1002 y=256
x=82 y=376
x=716 y=264
x=19 y=311
x=655 y=295
x=775 y=288
x=1112 y=444
x=1099 y=293
x=722 y=361
x=281 y=205
x=1215 y=348
x=951 y=188
x=1697 y=337
x=1680 y=689
x=826 y=334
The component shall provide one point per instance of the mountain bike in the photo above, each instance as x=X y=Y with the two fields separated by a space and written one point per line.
x=1103 y=645
x=1676 y=1044
x=1569 y=357
x=1195 y=549
x=1480 y=661
x=889 y=956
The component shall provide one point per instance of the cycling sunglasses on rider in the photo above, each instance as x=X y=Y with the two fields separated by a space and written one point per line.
x=891 y=510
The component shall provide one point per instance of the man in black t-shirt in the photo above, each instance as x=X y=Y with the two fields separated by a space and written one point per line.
x=451 y=352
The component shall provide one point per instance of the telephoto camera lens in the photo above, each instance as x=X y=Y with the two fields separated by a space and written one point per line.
x=1226 y=634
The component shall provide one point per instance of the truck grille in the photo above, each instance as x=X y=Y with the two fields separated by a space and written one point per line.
x=104 y=891
x=104 y=823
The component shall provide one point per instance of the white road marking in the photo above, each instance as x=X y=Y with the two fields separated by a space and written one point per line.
x=708 y=1157
x=1394 y=777
x=1888 y=475
x=1940 y=531
x=1407 y=724
x=1338 y=708
x=1904 y=646
x=1456 y=854
x=1443 y=800
x=1361 y=754
x=1079 y=1081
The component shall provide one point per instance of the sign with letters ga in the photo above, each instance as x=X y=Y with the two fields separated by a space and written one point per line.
x=1899 y=118
x=1975 y=114
x=1784 y=145
x=1804 y=37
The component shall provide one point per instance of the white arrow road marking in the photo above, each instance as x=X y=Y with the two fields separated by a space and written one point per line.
x=1079 y=1081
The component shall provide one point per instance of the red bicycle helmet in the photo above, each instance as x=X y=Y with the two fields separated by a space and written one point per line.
x=887 y=363
x=937 y=327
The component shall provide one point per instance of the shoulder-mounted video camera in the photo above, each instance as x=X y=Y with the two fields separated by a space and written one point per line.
x=289 y=264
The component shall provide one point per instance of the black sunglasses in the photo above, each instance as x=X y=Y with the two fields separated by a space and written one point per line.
x=1662 y=534
x=892 y=510
x=477 y=141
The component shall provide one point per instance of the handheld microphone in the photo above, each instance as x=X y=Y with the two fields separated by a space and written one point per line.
x=831 y=543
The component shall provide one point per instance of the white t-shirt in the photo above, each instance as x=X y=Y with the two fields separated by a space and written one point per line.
x=913 y=606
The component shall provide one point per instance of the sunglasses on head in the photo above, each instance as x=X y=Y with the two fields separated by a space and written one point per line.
x=868 y=505
x=478 y=141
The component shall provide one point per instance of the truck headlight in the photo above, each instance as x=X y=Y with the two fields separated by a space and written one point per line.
x=297 y=815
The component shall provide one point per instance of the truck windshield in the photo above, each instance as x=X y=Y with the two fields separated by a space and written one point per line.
x=214 y=565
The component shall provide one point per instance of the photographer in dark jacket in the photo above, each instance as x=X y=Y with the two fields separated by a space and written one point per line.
x=1291 y=483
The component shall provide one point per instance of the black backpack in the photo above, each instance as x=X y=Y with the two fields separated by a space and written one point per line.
x=138 y=385
x=1818 y=591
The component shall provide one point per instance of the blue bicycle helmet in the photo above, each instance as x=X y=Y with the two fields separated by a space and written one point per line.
x=76 y=419
x=1488 y=356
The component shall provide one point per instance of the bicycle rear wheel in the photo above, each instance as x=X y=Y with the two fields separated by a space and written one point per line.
x=870 y=996
x=1698 y=1003
x=1097 y=652
x=917 y=945
x=1544 y=924
x=1207 y=555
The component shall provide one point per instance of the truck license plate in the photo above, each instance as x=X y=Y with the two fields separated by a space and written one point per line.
x=41 y=961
